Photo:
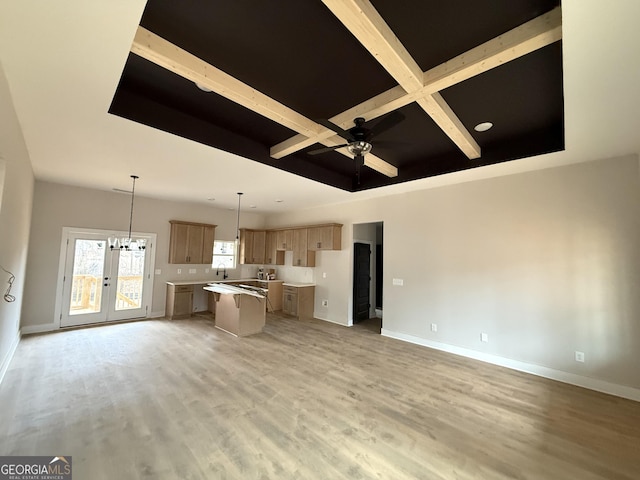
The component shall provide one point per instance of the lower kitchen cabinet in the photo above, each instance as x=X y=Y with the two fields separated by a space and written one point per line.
x=179 y=301
x=298 y=300
x=274 y=294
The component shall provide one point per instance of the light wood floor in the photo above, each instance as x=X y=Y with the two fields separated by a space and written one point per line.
x=305 y=399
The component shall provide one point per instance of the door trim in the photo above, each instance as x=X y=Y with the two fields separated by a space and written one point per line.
x=66 y=232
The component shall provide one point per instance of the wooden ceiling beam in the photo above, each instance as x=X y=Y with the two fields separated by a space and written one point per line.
x=528 y=37
x=163 y=53
x=448 y=121
x=156 y=49
x=370 y=29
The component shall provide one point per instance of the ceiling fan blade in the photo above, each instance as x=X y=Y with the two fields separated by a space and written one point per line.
x=326 y=149
x=332 y=126
x=386 y=123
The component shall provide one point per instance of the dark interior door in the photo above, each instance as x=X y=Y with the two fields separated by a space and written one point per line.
x=361 y=281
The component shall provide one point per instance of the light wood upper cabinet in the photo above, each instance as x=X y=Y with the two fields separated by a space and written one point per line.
x=252 y=246
x=284 y=239
x=325 y=237
x=272 y=256
x=302 y=256
x=259 y=237
x=208 y=236
x=191 y=242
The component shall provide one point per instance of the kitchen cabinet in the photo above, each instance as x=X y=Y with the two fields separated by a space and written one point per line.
x=259 y=237
x=191 y=242
x=302 y=256
x=252 y=246
x=298 y=300
x=179 y=303
x=325 y=237
x=272 y=256
x=274 y=294
x=284 y=239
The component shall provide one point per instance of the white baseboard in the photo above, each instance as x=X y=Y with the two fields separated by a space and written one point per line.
x=546 y=372
x=6 y=361
x=47 y=327
x=331 y=321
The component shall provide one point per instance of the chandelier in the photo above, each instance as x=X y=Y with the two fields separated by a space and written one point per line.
x=127 y=243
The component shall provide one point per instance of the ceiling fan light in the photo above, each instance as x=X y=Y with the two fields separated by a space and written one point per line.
x=359 y=148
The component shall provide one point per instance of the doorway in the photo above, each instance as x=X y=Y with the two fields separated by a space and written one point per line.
x=100 y=284
x=361 y=282
x=367 y=273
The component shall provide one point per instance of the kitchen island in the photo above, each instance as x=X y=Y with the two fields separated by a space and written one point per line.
x=240 y=309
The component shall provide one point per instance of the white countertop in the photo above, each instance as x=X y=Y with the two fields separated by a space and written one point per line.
x=231 y=290
x=298 y=285
x=230 y=280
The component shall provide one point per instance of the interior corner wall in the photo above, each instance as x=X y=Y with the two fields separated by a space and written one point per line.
x=56 y=206
x=16 y=194
x=546 y=263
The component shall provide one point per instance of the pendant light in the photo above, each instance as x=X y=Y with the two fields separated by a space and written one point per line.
x=127 y=243
x=238 y=219
x=238 y=227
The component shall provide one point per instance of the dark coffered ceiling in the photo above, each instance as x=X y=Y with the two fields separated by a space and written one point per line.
x=304 y=61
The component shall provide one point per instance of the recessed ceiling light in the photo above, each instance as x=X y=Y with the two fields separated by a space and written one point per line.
x=211 y=199
x=483 y=127
x=252 y=206
x=278 y=200
x=204 y=88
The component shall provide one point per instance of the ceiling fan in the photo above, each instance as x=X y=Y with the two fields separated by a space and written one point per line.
x=359 y=137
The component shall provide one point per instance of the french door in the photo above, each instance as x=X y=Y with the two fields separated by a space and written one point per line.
x=101 y=284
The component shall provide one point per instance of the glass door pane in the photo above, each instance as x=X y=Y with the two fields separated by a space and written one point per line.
x=88 y=273
x=130 y=280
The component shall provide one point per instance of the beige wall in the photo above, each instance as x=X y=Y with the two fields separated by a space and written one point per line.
x=16 y=189
x=57 y=206
x=545 y=263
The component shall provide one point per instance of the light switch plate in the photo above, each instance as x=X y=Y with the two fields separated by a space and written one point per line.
x=158 y=271
x=398 y=281
x=179 y=271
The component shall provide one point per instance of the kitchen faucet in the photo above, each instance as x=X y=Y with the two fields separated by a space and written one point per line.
x=224 y=271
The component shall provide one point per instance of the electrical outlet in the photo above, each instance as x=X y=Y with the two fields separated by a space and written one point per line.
x=579 y=357
x=192 y=270
x=484 y=337
x=398 y=281
x=434 y=327
x=158 y=271
x=206 y=270
x=324 y=274
x=325 y=303
x=179 y=271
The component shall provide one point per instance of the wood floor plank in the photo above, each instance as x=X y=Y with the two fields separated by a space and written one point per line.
x=305 y=399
